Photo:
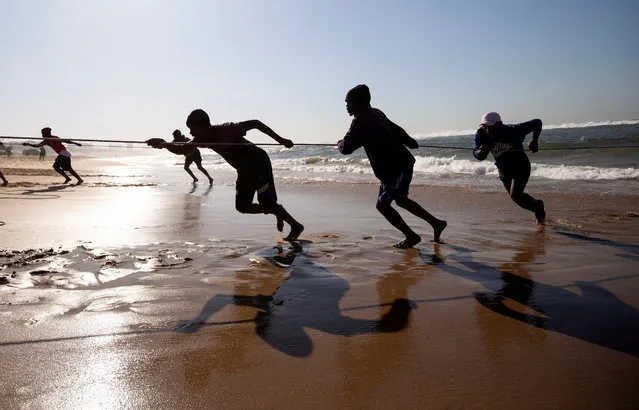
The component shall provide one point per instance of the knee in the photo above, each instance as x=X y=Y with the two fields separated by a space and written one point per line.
x=515 y=196
x=269 y=208
x=402 y=202
x=241 y=207
x=382 y=206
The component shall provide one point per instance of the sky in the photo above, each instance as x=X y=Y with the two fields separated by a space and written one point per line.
x=134 y=69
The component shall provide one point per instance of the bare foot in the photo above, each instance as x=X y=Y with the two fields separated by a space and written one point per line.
x=296 y=230
x=66 y=181
x=439 y=228
x=80 y=181
x=280 y=224
x=210 y=181
x=195 y=180
x=408 y=242
x=5 y=182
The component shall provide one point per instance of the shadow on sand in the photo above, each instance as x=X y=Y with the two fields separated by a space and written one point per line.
x=308 y=298
x=595 y=316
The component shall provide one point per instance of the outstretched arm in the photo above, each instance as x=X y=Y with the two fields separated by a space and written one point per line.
x=71 y=142
x=28 y=144
x=260 y=126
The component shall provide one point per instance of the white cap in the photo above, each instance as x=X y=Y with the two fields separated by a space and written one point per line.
x=490 y=118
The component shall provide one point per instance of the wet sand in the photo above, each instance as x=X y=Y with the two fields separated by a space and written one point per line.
x=134 y=295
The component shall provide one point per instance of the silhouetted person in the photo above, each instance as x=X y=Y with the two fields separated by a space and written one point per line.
x=505 y=142
x=43 y=153
x=191 y=153
x=4 y=180
x=63 y=160
x=385 y=144
x=253 y=166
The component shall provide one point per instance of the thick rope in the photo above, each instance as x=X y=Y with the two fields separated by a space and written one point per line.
x=307 y=144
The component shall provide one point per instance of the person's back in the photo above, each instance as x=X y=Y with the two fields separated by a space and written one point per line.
x=234 y=148
x=383 y=141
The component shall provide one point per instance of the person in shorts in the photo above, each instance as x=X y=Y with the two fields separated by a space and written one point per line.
x=191 y=153
x=505 y=142
x=252 y=163
x=385 y=144
x=62 y=162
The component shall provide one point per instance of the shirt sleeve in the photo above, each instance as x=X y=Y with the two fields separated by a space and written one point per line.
x=352 y=140
x=480 y=137
x=527 y=127
x=234 y=129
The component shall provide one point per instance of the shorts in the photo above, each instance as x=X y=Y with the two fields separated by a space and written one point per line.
x=258 y=177
x=395 y=187
x=515 y=174
x=62 y=162
x=193 y=156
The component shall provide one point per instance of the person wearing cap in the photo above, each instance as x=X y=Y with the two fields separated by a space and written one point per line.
x=505 y=142
x=253 y=166
x=63 y=160
x=191 y=153
x=385 y=144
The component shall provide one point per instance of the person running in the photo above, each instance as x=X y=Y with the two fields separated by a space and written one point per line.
x=43 y=153
x=4 y=180
x=385 y=144
x=505 y=142
x=63 y=160
x=191 y=153
x=253 y=166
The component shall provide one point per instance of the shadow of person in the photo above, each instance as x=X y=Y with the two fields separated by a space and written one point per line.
x=53 y=188
x=595 y=315
x=308 y=298
x=626 y=247
x=514 y=296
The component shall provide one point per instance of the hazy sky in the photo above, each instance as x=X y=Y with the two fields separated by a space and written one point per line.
x=135 y=68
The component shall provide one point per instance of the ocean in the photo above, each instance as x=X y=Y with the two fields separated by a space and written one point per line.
x=563 y=170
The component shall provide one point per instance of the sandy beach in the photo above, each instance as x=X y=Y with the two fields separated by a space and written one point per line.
x=129 y=293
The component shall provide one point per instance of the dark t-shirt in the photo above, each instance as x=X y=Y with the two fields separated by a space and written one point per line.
x=383 y=141
x=239 y=156
x=507 y=147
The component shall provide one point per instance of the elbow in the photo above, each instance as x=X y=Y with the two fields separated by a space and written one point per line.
x=255 y=124
x=538 y=124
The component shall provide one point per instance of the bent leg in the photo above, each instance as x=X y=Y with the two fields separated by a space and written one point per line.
x=4 y=180
x=59 y=170
x=416 y=209
x=395 y=219
x=187 y=168
x=526 y=201
x=201 y=168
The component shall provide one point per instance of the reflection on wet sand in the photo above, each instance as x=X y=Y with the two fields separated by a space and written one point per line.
x=308 y=298
x=367 y=363
x=516 y=295
x=595 y=315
